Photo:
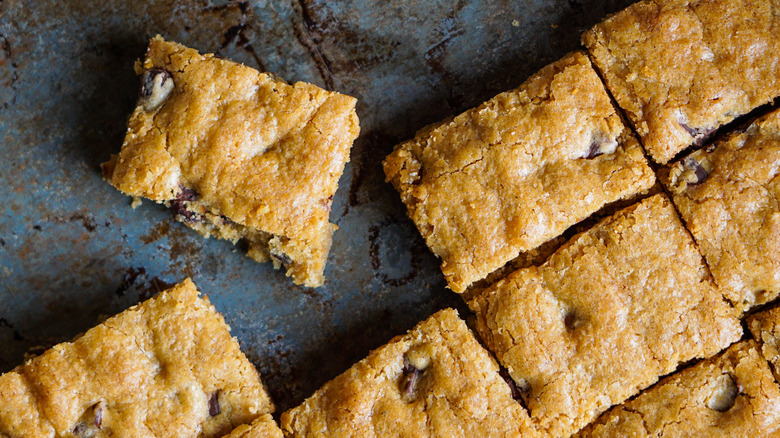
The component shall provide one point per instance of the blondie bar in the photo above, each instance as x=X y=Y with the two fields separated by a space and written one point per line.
x=238 y=154
x=680 y=69
x=608 y=313
x=167 y=367
x=765 y=327
x=518 y=170
x=727 y=195
x=435 y=381
x=730 y=395
x=262 y=427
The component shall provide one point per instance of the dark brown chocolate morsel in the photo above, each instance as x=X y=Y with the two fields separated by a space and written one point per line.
x=90 y=422
x=282 y=257
x=187 y=194
x=593 y=151
x=409 y=379
x=182 y=213
x=156 y=86
x=214 y=408
x=699 y=172
x=512 y=385
x=600 y=145
x=700 y=135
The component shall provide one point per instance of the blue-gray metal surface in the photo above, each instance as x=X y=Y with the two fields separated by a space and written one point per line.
x=72 y=249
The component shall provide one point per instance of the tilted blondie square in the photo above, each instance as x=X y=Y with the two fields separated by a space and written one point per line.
x=682 y=68
x=262 y=427
x=238 y=154
x=604 y=317
x=728 y=197
x=765 y=327
x=518 y=170
x=435 y=381
x=167 y=367
x=730 y=395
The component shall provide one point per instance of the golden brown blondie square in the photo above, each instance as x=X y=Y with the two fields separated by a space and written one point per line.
x=238 y=154
x=730 y=395
x=517 y=171
x=605 y=316
x=435 y=381
x=728 y=197
x=167 y=367
x=682 y=68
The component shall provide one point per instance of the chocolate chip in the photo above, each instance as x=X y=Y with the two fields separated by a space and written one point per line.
x=697 y=173
x=182 y=213
x=90 y=422
x=156 y=86
x=99 y=415
x=214 y=409
x=571 y=321
x=724 y=396
x=700 y=135
x=186 y=194
x=601 y=144
x=409 y=380
x=282 y=258
x=508 y=379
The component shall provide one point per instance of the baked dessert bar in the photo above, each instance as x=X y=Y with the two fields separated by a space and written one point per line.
x=730 y=395
x=238 y=154
x=167 y=367
x=605 y=316
x=765 y=327
x=518 y=170
x=263 y=427
x=727 y=194
x=435 y=381
x=680 y=69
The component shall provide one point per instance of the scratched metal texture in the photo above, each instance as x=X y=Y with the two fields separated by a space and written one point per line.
x=71 y=248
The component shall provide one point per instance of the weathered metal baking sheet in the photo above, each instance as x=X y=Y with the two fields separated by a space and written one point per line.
x=72 y=249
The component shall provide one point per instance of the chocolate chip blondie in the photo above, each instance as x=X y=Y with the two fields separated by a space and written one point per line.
x=238 y=154
x=730 y=395
x=518 y=170
x=435 y=381
x=728 y=196
x=262 y=427
x=680 y=69
x=765 y=327
x=167 y=367
x=605 y=316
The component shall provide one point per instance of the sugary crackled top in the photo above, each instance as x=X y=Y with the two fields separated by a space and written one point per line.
x=518 y=170
x=765 y=327
x=435 y=381
x=612 y=310
x=728 y=196
x=165 y=368
x=681 y=69
x=730 y=395
x=263 y=427
x=266 y=154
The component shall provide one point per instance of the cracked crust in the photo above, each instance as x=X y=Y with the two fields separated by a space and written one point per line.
x=612 y=310
x=765 y=327
x=241 y=155
x=518 y=170
x=153 y=369
x=732 y=209
x=458 y=392
x=262 y=427
x=681 y=69
x=681 y=405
